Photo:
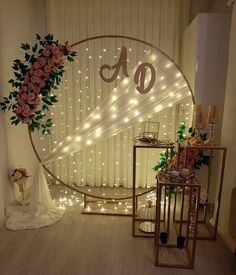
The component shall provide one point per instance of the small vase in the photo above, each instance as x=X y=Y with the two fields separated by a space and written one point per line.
x=22 y=187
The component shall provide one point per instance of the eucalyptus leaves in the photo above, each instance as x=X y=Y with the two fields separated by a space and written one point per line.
x=35 y=77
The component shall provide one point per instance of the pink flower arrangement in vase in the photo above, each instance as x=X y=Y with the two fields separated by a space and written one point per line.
x=19 y=176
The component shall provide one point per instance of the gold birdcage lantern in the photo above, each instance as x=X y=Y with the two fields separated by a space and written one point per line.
x=147 y=216
x=150 y=133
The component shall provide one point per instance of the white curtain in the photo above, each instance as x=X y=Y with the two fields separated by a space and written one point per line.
x=109 y=163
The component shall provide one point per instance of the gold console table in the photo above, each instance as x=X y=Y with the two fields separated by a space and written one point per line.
x=135 y=219
x=210 y=224
x=175 y=243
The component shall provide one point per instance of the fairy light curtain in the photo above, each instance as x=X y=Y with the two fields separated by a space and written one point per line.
x=109 y=162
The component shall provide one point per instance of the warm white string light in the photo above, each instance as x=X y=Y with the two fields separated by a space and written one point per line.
x=145 y=105
x=85 y=170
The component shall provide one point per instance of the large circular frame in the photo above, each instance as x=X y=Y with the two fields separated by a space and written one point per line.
x=76 y=44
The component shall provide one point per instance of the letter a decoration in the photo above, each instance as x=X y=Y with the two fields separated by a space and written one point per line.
x=140 y=73
x=122 y=62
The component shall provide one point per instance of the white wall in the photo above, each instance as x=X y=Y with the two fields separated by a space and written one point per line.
x=229 y=132
x=20 y=21
x=208 y=6
x=204 y=60
x=3 y=166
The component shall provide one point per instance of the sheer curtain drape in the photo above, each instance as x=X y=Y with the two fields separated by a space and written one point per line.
x=109 y=163
x=41 y=210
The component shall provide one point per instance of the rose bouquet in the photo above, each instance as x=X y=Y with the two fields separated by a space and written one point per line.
x=17 y=175
x=35 y=77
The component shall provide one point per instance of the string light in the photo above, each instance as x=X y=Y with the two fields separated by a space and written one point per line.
x=133 y=107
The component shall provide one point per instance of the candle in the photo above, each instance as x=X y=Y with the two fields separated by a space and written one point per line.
x=199 y=117
x=212 y=114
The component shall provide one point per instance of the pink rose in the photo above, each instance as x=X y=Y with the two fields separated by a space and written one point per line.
x=25 y=108
x=18 y=109
x=23 y=96
x=56 y=58
x=32 y=111
x=55 y=50
x=31 y=101
x=24 y=88
x=36 y=89
x=46 y=53
x=39 y=72
x=25 y=114
x=31 y=96
x=26 y=80
x=33 y=78
x=47 y=69
x=46 y=75
x=62 y=61
x=38 y=79
x=37 y=100
x=27 y=120
x=27 y=76
x=54 y=68
x=36 y=65
x=42 y=61
x=20 y=102
x=31 y=71
x=42 y=84
x=50 y=63
x=31 y=86
x=49 y=47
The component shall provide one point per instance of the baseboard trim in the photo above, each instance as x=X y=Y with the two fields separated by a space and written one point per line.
x=230 y=242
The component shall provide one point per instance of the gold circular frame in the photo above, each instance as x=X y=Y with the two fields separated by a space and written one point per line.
x=83 y=41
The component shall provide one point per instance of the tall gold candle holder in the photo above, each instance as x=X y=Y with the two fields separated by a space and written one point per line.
x=22 y=186
x=211 y=120
x=199 y=123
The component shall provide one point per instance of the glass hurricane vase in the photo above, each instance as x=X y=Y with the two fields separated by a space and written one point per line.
x=22 y=186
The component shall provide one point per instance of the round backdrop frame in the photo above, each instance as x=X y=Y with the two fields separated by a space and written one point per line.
x=71 y=186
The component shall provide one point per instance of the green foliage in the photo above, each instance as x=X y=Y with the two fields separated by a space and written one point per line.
x=203 y=160
x=181 y=133
x=163 y=162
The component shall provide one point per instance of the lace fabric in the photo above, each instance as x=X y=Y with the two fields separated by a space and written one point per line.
x=41 y=210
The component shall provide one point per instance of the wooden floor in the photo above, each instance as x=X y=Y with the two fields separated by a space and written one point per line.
x=97 y=245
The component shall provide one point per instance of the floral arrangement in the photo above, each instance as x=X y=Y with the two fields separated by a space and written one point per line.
x=18 y=175
x=193 y=160
x=35 y=77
